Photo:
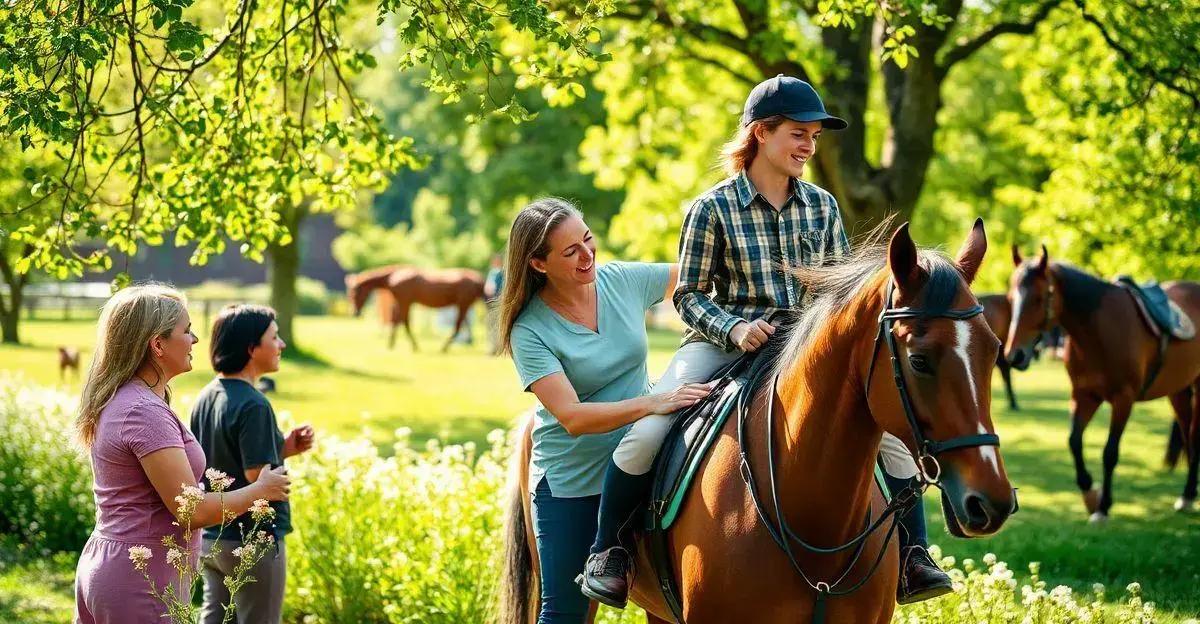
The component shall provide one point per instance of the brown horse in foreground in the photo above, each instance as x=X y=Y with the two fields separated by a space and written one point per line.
x=400 y=287
x=829 y=413
x=1110 y=356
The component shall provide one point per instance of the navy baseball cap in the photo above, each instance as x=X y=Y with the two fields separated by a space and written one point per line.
x=791 y=97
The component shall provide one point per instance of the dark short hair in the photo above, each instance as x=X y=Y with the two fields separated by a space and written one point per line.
x=238 y=328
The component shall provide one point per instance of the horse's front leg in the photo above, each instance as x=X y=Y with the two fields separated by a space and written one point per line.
x=1187 y=408
x=1006 y=374
x=1083 y=407
x=1121 y=409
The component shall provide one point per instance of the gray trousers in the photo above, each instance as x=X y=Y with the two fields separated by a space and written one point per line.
x=260 y=602
x=696 y=362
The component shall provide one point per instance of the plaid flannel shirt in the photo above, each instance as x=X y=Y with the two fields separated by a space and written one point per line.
x=734 y=247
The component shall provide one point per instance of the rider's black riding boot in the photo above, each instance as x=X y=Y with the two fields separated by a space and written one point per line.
x=606 y=576
x=920 y=578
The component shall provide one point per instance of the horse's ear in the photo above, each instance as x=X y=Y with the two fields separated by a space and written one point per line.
x=1016 y=255
x=902 y=260
x=1044 y=260
x=970 y=255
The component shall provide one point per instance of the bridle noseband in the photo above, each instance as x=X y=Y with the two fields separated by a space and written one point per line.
x=925 y=456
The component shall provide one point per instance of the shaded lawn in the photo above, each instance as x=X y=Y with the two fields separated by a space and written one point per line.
x=353 y=385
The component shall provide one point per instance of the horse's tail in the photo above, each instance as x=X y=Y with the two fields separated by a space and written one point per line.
x=1174 y=446
x=519 y=580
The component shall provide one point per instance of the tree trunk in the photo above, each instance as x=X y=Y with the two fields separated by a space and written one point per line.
x=10 y=311
x=282 y=272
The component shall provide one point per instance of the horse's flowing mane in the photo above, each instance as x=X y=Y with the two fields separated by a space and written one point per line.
x=830 y=288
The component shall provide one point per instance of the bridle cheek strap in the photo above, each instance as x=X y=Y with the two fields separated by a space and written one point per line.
x=927 y=449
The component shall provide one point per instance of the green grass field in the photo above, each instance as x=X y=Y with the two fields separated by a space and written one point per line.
x=353 y=385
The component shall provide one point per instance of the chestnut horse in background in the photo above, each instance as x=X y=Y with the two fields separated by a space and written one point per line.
x=400 y=287
x=1110 y=356
x=810 y=438
x=998 y=314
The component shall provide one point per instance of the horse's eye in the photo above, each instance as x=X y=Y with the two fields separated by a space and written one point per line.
x=920 y=364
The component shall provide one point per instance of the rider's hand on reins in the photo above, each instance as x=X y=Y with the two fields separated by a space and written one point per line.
x=751 y=335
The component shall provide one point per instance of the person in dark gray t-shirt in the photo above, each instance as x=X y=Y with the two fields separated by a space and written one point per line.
x=236 y=427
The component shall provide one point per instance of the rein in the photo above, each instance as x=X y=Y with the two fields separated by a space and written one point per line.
x=927 y=450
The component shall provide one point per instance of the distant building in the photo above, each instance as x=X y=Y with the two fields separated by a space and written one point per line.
x=167 y=263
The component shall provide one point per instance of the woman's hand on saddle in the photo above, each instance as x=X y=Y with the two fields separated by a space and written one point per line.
x=682 y=397
x=751 y=335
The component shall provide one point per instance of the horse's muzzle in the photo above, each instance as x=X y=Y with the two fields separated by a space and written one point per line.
x=969 y=513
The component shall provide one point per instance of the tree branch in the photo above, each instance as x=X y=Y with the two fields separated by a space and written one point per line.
x=703 y=32
x=966 y=49
x=1128 y=57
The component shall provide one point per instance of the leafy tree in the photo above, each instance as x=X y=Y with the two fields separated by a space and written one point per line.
x=682 y=68
x=230 y=124
x=487 y=167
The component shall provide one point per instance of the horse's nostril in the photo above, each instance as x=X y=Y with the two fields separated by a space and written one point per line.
x=977 y=510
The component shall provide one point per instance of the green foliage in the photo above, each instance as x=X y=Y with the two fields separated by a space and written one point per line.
x=405 y=539
x=215 y=122
x=1056 y=139
x=45 y=483
x=1124 y=192
x=486 y=165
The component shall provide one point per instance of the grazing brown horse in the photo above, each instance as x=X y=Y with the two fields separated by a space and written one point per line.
x=404 y=286
x=820 y=423
x=1111 y=355
x=998 y=315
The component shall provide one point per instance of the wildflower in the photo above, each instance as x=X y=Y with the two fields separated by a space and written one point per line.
x=989 y=559
x=261 y=510
x=1134 y=588
x=140 y=555
x=219 y=480
x=175 y=557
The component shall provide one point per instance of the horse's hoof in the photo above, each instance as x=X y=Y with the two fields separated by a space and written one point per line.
x=1185 y=504
x=1098 y=517
x=1091 y=500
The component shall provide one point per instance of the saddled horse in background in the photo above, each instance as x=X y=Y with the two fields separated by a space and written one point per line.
x=400 y=287
x=824 y=413
x=1112 y=355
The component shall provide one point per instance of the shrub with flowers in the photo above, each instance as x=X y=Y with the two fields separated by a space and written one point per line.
x=45 y=483
x=991 y=594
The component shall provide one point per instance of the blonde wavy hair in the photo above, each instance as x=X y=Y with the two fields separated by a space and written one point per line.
x=128 y=322
x=739 y=152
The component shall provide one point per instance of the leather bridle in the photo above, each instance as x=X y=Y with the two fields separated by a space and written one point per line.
x=926 y=453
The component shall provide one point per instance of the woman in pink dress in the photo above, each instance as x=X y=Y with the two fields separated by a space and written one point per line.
x=142 y=457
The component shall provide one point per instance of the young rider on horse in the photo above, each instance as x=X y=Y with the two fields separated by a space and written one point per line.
x=735 y=237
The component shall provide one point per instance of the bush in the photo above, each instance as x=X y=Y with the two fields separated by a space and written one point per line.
x=45 y=482
x=409 y=538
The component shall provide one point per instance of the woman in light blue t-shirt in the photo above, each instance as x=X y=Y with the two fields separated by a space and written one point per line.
x=577 y=334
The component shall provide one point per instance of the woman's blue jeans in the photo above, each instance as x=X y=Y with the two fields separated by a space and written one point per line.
x=564 y=528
